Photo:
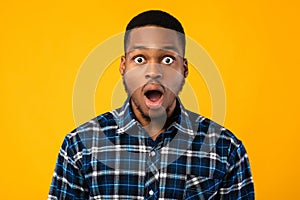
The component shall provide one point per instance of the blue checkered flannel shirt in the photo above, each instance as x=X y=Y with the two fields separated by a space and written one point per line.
x=113 y=157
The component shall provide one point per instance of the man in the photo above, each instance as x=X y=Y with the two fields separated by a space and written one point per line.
x=152 y=147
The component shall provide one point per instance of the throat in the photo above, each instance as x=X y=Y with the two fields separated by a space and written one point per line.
x=155 y=128
x=153 y=95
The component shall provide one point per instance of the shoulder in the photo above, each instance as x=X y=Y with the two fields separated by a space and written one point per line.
x=86 y=133
x=213 y=135
x=214 y=144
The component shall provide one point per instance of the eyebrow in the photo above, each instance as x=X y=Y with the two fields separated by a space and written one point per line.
x=162 y=48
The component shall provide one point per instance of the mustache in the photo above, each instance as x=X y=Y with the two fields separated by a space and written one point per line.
x=144 y=83
x=154 y=82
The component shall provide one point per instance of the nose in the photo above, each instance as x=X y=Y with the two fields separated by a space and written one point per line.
x=153 y=71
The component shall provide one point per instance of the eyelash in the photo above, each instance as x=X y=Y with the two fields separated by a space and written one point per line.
x=134 y=57
x=168 y=56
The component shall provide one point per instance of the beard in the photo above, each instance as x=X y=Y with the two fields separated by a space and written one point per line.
x=146 y=115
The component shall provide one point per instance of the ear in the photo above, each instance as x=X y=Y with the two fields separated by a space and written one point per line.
x=186 y=68
x=122 y=65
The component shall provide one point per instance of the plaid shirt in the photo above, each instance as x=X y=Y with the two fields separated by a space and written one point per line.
x=113 y=157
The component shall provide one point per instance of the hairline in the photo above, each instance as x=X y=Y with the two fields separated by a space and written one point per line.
x=180 y=35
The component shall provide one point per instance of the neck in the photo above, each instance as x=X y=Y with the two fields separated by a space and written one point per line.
x=154 y=125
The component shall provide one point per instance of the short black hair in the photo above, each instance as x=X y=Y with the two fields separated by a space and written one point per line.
x=157 y=18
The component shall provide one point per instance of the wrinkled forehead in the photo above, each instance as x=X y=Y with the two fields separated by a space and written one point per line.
x=153 y=37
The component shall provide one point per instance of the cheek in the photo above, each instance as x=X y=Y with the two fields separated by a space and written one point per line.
x=173 y=80
x=134 y=79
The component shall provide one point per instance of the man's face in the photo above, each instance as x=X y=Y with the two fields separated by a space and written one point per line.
x=153 y=70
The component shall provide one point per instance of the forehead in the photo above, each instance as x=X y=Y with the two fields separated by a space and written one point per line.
x=153 y=37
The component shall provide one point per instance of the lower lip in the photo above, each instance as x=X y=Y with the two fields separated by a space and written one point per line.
x=153 y=105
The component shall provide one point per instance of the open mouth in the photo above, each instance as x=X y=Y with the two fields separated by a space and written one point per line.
x=153 y=95
x=153 y=98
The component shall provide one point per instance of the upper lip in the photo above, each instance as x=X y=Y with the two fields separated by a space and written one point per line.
x=153 y=87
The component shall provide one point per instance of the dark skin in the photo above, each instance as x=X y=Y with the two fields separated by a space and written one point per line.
x=154 y=72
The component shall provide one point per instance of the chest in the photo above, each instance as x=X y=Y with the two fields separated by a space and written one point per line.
x=146 y=173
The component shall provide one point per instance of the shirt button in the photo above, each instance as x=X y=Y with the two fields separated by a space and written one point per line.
x=152 y=153
x=151 y=192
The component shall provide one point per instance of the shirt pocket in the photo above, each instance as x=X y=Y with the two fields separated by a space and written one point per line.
x=200 y=187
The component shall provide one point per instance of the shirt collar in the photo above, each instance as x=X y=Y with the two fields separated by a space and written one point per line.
x=127 y=122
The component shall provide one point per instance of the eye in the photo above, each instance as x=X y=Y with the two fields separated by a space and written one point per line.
x=167 y=60
x=139 y=60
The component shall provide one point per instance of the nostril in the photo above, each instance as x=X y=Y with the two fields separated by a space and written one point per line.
x=153 y=75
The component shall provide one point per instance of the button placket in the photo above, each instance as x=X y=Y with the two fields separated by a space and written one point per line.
x=152 y=182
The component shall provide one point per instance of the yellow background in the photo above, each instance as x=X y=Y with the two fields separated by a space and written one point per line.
x=255 y=45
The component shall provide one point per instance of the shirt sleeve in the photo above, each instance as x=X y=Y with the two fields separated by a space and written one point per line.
x=238 y=182
x=68 y=181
